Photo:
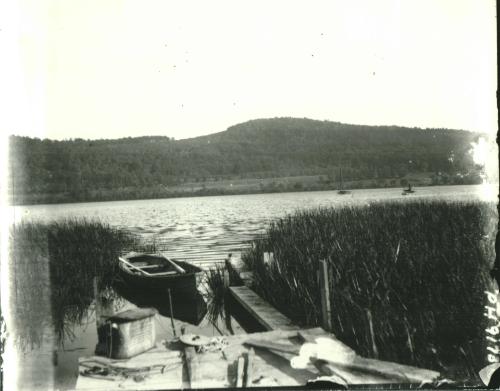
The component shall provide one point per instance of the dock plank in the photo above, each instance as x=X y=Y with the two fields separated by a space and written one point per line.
x=268 y=316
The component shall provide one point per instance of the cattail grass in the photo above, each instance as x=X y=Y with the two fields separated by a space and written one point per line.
x=407 y=279
x=216 y=293
x=53 y=266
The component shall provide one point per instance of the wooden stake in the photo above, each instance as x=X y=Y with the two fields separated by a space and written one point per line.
x=249 y=368
x=191 y=365
x=171 y=312
x=326 y=311
x=227 y=263
x=268 y=258
x=372 y=333
x=240 y=371
x=98 y=309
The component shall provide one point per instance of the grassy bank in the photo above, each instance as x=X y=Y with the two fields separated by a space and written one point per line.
x=238 y=186
x=407 y=279
x=52 y=268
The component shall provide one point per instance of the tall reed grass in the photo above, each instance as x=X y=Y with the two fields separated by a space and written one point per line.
x=407 y=279
x=53 y=268
x=216 y=291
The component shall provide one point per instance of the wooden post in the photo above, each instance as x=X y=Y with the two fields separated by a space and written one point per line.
x=227 y=263
x=226 y=305
x=190 y=362
x=326 y=311
x=191 y=365
x=372 y=333
x=98 y=308
x=171 y=312
x=268 y=258
x=240 y=371
x=249 y=370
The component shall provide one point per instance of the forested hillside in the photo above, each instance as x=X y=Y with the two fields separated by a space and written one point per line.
x=79 y=170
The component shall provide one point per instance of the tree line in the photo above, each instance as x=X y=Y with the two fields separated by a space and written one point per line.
x=80 y=170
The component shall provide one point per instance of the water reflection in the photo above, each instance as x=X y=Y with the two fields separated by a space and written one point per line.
x=186 y=309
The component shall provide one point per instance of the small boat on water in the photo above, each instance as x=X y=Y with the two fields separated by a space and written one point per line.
x=342 y=190
x=158 y=272
x=408 y=190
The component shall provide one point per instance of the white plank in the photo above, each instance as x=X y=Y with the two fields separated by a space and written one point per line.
x=268 y=316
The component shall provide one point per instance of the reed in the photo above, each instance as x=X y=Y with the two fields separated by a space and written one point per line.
x=53 y=266
x=216 y=294
x=407 y=279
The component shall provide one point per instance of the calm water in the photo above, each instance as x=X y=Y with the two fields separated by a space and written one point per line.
x=205 y=229
x=202 y=230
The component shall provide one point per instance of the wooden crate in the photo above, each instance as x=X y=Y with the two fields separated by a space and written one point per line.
x=127 y=333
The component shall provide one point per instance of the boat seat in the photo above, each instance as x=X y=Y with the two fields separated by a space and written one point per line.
x=152 y=274
x=146 y=266
x=163 y=273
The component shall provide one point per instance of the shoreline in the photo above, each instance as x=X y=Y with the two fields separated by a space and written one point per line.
x=240 y=187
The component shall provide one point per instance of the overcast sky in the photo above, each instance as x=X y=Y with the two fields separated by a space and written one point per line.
x=117 y=68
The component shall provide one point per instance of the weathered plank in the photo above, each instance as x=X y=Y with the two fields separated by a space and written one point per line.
x=268 y=316
x=369 y=371
x=397 y=372
x=281 y=347
x=365 y=370
x=360 y=371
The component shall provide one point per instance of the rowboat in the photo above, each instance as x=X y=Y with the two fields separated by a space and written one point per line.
x=156 y=271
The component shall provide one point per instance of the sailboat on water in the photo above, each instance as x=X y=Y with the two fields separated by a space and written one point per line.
x=408 y=190
x=342 y=190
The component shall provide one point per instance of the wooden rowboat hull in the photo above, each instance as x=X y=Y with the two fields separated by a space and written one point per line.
x=186 y=308
x=186 y=283
x=152 y=290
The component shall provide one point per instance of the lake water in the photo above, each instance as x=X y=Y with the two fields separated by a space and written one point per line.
x=203 y=230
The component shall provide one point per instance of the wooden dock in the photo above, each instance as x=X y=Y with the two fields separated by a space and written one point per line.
x=248 y=360
x=267 y=316
x=268 y=355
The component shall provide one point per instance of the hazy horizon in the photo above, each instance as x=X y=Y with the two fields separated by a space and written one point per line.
x=253 y=119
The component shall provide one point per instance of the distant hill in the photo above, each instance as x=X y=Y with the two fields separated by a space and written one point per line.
x=82 y=170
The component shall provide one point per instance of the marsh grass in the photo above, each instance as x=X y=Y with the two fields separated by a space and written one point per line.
x=216 y=294
x=53 y=268
x=407 y=279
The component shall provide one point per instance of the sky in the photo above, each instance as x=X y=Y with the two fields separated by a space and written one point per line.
x=124 y=68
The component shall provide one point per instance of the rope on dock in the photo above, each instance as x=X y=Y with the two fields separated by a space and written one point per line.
x=108 y=371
